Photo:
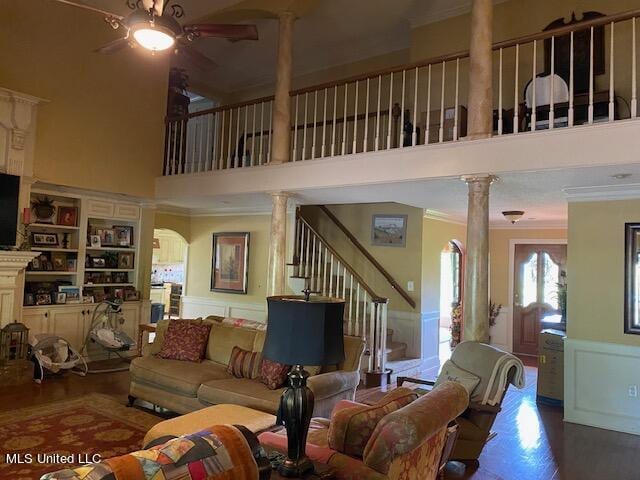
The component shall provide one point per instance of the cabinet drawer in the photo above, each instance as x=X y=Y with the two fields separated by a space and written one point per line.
x=99 y=208
x=127 y=212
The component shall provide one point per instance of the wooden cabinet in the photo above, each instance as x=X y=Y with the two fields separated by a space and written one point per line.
x=69 y=323
x=131 y=315
x=106 y=209
x=36 y=320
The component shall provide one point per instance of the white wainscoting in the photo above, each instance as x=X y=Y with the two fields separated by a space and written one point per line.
x=502 y=332
x=406 y=329
x=194 y=307
x=596 y=384
x=430 y=339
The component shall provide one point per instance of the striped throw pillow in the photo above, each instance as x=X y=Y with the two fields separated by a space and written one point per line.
x=244 y=364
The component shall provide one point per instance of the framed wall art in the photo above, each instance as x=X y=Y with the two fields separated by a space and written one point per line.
x=230 y=262
x=389 y=230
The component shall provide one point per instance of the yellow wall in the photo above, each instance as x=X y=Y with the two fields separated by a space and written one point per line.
x=103 y=128
x=145 y=252
x=435 y=236
x=178 y=223
x=200 y=251
x=404 y=264
x=595 y=276
x=499 y=257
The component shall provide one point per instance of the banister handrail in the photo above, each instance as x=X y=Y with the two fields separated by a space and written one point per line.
x=597 y=22
x=374 y=297
x=362 y=249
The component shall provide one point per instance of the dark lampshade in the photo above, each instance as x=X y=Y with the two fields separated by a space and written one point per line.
x=303 y=332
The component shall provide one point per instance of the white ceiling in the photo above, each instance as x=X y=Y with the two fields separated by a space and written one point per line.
x=334 y=32
x=540 y=194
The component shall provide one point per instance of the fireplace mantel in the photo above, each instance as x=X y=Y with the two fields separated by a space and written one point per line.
x=12 y=266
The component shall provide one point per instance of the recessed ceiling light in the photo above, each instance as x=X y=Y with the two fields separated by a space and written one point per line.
x=621 y=176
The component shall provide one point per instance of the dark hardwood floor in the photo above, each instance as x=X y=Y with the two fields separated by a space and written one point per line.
x=532 y=441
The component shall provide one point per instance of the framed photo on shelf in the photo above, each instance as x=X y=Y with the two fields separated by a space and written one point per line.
x=72 y=265
x=68 y=216
x=120 y=277
x=131 y=295
x=118 y=293
x=98 y=262
x=389 y=230
x=107 y=237
x=125 y=260
x=36 y=264
x=229 y=263
x=44 y=240
x=94 y=241
x=29 y=299
x=59 y=261
x=123 y=235
x=87 y=299
x=73 y=293
x=43 y=299
x=61 y=298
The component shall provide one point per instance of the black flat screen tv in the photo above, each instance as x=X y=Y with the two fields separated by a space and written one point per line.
x=9 y=193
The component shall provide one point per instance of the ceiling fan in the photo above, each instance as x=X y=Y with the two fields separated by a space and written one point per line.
x=153 y=25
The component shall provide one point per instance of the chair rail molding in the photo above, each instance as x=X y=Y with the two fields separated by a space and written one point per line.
x=17 y=131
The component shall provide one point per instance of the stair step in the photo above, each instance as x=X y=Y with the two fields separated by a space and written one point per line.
x=396 y=351
x=406 y=367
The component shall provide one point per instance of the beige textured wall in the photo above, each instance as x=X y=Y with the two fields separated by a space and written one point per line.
x=595 y=276
x=435 y=236
x=404 y=264
x=499 y=257
x=200 y=251
x=103 y=128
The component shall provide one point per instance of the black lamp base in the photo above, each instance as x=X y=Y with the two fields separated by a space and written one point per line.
x=297 y=407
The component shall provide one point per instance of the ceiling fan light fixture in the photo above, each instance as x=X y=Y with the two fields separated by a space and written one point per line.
x=153 y=37
x=513 y=215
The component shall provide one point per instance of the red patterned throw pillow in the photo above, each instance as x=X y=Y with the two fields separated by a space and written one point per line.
x=273 y=374
x=185 y=340
x=244 y=364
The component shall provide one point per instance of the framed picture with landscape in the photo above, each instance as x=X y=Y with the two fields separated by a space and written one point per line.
x=230 y=262
x=389 y=230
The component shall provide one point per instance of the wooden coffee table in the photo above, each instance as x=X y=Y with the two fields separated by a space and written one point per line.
x=322 y=471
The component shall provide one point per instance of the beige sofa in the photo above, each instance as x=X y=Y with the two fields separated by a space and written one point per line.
x=186 y=386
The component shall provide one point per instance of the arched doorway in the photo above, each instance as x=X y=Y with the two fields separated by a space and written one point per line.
x=451 y=290
x=168 y=271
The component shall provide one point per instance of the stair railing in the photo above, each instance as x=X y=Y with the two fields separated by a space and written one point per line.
x=327 y=273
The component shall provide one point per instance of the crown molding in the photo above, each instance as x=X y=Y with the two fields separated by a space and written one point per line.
x=441 y=14
x=602 y=193
x=442 y=217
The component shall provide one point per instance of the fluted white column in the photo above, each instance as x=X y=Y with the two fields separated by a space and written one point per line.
x=276 y=280
x=480 y=118
x=282 y=102
x=476 y=280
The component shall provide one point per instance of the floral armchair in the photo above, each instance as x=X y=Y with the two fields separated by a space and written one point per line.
x=402 y=437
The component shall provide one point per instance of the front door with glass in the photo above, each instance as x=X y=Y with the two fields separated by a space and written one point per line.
x=538 y=299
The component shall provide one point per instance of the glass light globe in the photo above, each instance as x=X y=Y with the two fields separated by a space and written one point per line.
x=153 y=39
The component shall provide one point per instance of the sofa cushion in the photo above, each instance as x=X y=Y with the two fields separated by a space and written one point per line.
x=185 y=340
x=244 y=364
x=240 y=391
x=224 y=337
x=452 y=373
x=273 y=374
x=351 y=427
x=175 y=375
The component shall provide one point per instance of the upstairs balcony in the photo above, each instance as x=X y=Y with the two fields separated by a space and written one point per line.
x=568 y=80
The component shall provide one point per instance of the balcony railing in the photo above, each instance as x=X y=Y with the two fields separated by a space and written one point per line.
x=579 y=74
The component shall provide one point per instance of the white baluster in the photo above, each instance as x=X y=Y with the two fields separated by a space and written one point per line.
x=441 y=132
x=358 y=307
x=351 y=298
x=552 y=112
x=347 y=310
x=243 y=153
x=295 y=132
x=354 y=146
x=229 y=158
x=591 y=80
x=612 y=109
x=315 y=117
x=331 y=276
x=324 y=272
x=260 y=157
x=253 y=136
x=372 y=340
x=222 y=130
x=366 y=122
x=516 y=101
x=402 y=132
x=455 y=113
x=389 y=119
x=427 y=129
x=312 y=281
x=211 y=139
x=304 y=132
x=324 y=124
x=634 y=73
x=571 y=82
x=235 y=145
x=335 y=109
x=534 y=108
x=414 y=134
x=344 y=120
x=500 y=74
x=377 y=146
x=269 y=132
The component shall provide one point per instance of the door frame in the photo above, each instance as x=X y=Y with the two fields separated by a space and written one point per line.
x=512 y=254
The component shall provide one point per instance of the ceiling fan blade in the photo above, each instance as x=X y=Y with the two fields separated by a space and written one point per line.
x=196 y=58
x=232 y=32
x=84 y=6
x=114 y=46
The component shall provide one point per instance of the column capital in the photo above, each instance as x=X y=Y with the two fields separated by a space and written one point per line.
x=278 y=194
x=286 y=15
x=479 y=178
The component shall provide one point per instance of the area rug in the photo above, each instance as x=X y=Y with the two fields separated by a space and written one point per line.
x=52 y=436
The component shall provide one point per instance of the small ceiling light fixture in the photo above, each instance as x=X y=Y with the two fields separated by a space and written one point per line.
x=153 y=32
x=513 y=215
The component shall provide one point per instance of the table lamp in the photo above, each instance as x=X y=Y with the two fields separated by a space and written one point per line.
x=302 y=331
